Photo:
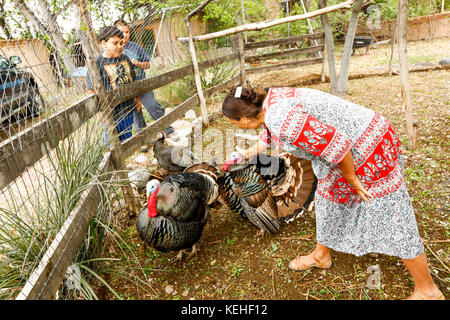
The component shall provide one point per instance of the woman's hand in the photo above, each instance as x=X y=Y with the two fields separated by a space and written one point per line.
x=362 y=192
x=257 y=148
x=347 y=167
x=242 y=151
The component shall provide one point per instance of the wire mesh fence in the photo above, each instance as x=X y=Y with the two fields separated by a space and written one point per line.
x=56 y=133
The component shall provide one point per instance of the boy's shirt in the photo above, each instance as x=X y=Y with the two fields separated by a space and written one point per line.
x=115 y=72
x=134 y=51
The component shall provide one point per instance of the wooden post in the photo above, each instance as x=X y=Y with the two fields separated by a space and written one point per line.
x=329 y=44
x=429 y=20
x=241 y=53
x=404 y=73
x=89 y=48
x=393 y=40
x=198 y=82
x=342 y=84
x=322 y=76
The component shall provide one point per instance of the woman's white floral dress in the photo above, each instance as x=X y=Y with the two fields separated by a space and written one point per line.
x=315 y=125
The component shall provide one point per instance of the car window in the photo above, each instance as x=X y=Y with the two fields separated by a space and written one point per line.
x=4 y=64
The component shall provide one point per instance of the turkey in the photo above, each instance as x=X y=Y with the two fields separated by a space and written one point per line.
x=268 y=188
x=172 y=159
x=178 y=209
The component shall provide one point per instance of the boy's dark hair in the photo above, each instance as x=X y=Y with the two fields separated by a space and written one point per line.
x=121 y=23
x=108 y=32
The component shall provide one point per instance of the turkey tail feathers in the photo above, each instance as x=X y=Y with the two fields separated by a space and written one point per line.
x=260 y=218
x=301 y=190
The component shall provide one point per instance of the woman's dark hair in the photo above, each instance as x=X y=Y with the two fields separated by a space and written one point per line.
x=249 y=104
x=108 y=32
x=121 y=23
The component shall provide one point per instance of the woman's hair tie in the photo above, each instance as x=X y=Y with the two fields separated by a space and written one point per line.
x=238 y=92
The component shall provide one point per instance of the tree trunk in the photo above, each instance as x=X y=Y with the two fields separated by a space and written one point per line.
x=342 y=85
x=329 y=45
x=3 y=23
x=404 y=73
x=49 y=27
x=4 y=27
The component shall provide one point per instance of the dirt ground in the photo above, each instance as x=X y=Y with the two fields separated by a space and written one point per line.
x=233 y=263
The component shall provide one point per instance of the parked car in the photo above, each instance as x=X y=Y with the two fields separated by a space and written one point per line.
x=19 y=92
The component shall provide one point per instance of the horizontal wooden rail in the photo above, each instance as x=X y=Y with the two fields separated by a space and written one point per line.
x=27 y=147
x=283 y=53
x=280 y=41
x=132 y=144
x=47 y=277
x=133 y=89
x=267 y=24
x=284 y=66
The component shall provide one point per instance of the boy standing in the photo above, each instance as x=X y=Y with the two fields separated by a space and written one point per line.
x=116 y=69
x=141 y=61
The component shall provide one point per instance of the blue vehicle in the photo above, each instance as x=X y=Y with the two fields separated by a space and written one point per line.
x=19 y=93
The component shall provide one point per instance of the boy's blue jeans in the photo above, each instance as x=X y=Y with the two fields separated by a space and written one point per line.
x=123 y=125
x=155 y=110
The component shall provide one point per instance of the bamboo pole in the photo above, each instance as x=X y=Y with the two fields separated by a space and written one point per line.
x=329 y=43
x=322 y=75
x=393 y=40
x=267 y=24
x=310 y=27
x=196 y=10
x=404 y=73
x=198 y=82
x=157 y=34
x=243 y=19
x=241 y=54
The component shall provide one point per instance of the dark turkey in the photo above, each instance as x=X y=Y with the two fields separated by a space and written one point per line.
x=172 y=159
x=268 y=188
x=178 y=209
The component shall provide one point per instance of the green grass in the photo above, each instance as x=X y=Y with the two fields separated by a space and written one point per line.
x=27 y=232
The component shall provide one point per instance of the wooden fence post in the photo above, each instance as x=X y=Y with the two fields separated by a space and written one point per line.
x=322 y=75
x=404 y=73
x=241 y=53
x=329 y=44
x=89 y=48
x=198 y=81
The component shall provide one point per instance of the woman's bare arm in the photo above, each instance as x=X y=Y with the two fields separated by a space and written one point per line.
x=258 y=147
x=347 y=167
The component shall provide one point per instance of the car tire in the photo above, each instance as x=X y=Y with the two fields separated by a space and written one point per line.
x=36 y=103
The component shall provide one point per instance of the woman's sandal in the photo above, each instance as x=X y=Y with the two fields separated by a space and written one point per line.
x=298 y=265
